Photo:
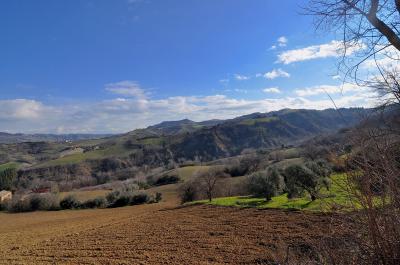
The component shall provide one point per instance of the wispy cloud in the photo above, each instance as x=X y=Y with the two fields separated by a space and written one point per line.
x=241 y=77
x=281 y=42
x=127 y=88
x=122 y=114
x=272 y=90
x=276 y=73
x=328 y=89
x=331 y=49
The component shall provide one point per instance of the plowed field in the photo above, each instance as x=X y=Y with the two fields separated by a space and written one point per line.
x=156 y=234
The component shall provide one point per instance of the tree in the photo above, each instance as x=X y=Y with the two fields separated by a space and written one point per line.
x=373 y=164
x=370 y=31
x=208 y=180
x=300 y=178
x=188 y=192
x=7 y=178
x=265 y=183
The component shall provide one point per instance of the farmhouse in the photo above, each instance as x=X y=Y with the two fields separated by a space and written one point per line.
x=5 y=195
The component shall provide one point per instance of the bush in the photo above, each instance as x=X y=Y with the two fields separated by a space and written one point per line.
x=168 y=179
x=265 y=184
x=158 y=197
x=70 y=202
x=99 y=202
x=35 y=202
x=188 y=192
x=120 y=199
x=140 y=198
x=7 y=178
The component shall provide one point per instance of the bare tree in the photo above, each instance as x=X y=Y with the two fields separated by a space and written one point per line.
x=370 y=33
x=208 y=180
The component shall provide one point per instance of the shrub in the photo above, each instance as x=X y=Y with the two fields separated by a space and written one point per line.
x=44 y=202
x=35 y=202
x=99 y=202
x=188 y=192
x=7 y=178
x=112 y=196
x=140 y=198
x=70 y=202
x=168 y=179
x=120 y=199
x=158 y=197
x=17 y=205
x=265 y=183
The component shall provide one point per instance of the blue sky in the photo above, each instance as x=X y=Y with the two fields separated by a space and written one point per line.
x=102 y=66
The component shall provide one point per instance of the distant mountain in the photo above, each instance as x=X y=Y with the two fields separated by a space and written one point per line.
x=159 y=145
x=8 y=138
x=263 y=130
x=182 y=126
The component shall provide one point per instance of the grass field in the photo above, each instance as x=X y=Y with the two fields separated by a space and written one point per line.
x=8 y=165
x=334 y=197
x=96 y=154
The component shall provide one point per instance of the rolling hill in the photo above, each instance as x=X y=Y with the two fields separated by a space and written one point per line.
x=123 y=156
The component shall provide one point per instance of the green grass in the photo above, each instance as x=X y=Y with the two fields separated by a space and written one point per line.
x=96 y=154
x=335 y=196
x=185 y=173
x=252 y=122
x=8 y=165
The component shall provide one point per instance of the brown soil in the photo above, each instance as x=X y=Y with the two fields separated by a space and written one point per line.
x=157 y=234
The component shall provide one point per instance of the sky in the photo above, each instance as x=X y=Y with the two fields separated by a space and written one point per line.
x=111 y=66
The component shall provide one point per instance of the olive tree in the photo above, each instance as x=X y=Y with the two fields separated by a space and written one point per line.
x=266 y=183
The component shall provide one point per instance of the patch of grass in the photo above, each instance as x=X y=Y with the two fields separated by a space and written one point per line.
x=8 y=165
x=96 y=154
x=152 y=141
x=186 y=173
x=335 y=196
x=252 y=122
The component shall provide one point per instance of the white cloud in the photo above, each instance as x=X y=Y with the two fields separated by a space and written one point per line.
x=330 y=89
x=21 y=109
x=331 y=49
x=126 y=88
x=241 y=77
x=282 y=41
x=272 y=90
x=124 y=114
x=276 y=73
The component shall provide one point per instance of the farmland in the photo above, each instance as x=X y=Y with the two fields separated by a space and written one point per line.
x=157 y=234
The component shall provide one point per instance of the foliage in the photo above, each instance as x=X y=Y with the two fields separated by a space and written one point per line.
x=99 y=202
x=309 y=177
x=265 y=183
x=167 y=179
x=70 y=202
x=34 y=202
x=188 y=192
x=7 y=177
x=158 y=197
